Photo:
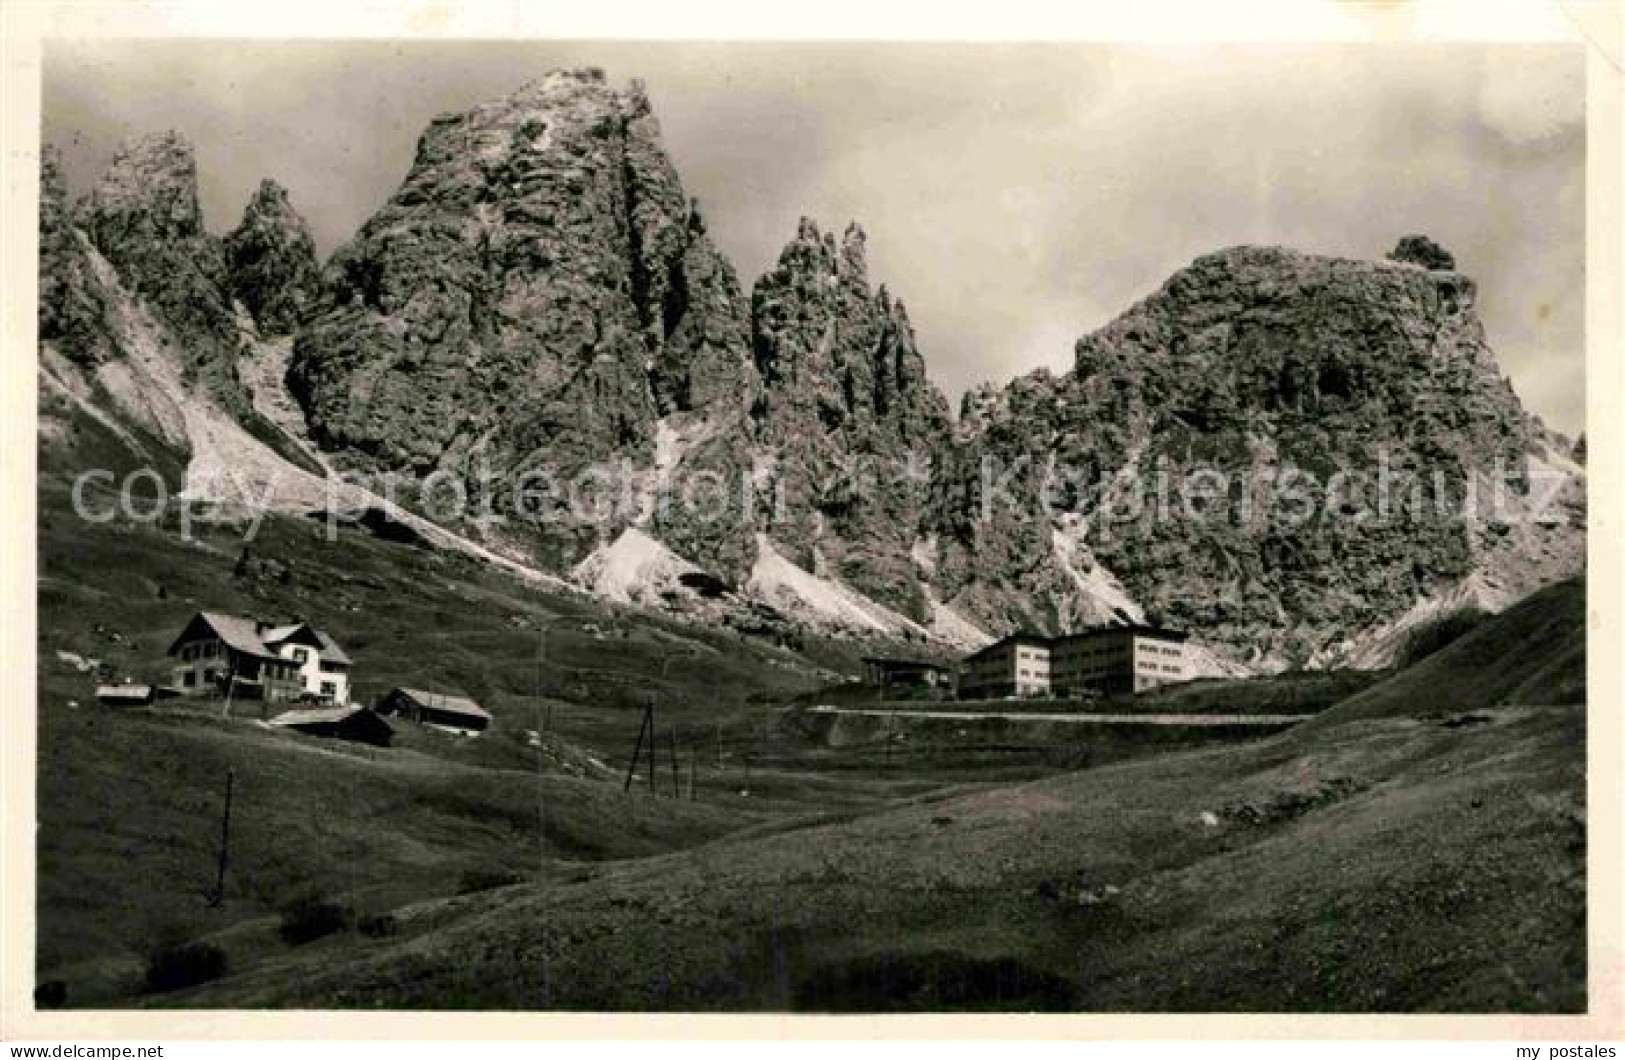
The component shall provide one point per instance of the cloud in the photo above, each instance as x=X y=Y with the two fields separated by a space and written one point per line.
x=1533 y=99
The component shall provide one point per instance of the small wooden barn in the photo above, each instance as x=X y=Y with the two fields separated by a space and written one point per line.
x=125 y=695
x=457 y=713
x=889 y=673
x=354 y=722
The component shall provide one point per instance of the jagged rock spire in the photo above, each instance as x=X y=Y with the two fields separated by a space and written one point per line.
x=272 y=261
x=73 y=304
x=143 y=215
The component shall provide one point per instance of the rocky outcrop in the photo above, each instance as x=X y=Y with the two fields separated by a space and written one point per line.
x=1278 y=451
x=540 y=298
x=1420 y=250
x=143 y=216
x=526 y=306
x=539 y=303
x=74 y=307
x=1221 y=448
x=271 y=261
x=849 y=416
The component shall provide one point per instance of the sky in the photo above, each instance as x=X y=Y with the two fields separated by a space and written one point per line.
x=1016 y=196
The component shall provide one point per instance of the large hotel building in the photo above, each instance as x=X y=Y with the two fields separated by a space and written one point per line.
x=1109 y=660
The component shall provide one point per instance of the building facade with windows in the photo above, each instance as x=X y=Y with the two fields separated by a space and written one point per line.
x=1111 y=660
x=1018 y=665
x=224 y=655
x=323 y=666
x=1115 y=660
x=218 y=653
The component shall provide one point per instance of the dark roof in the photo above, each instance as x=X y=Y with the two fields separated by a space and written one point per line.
x=242 y=635
x=881 y=660
x=248 y=637
x=1139 y=629
x=331 y=652
x=441 y=701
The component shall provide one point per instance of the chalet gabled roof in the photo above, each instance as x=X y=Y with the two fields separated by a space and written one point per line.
x=441 y=701
x=1139 y=629
x=239 y=634
x=248 y=637
x=330 y=650
x=296 y=632
x=124 y=693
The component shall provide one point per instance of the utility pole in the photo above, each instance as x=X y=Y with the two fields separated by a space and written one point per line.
x=646 y=727
x=654 y=760
x=218 y=895
x=544 y=718
x=676 y=770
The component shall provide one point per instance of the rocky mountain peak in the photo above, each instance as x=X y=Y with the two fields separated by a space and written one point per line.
x=1251 y=366
x=143 y=216
x=852 y=263
x=1281 y=301
x=831 y=349
x=847 y=404
x=55 y=210
x=270 y=203
x=536 y=295
x=73 y=303
x=271 y=259
x=148 y=192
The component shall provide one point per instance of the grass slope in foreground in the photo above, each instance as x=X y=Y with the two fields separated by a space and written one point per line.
x=1419 y=848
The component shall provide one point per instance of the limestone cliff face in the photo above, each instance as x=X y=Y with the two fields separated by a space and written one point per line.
x=1219 y=449
x=1293 y=456
x=271 y=262
x=534 y=297
x=73 y=305
x=143 y=217
x=540 y=298
x=849 y=415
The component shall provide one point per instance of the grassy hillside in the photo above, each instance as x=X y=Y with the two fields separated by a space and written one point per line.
x=1533 y=653
x=1291 y=692
x=130 y=809
x=1388 y=860
x=1418 y=846
x=1397 y=866
x=129 y=801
